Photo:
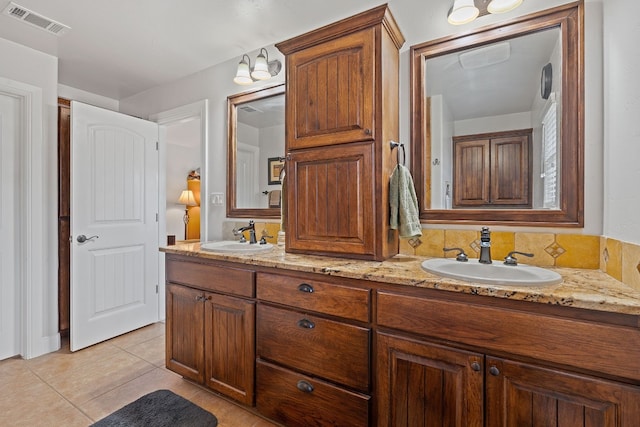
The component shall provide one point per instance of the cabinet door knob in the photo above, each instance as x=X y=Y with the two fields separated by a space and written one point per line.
x=305 y=287
x=306 y=323
x=475 y=366
x=304 y=386
x=494 y=371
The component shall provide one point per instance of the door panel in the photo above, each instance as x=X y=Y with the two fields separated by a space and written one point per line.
x=114 y=196
x=522 y=395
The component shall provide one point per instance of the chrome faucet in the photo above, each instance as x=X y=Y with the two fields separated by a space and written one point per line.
x=485 y=246
x=252 y=232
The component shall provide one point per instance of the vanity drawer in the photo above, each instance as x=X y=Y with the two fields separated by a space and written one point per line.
x=298 y=400
x=333 y=350
x=209 y=277
x=315 y=295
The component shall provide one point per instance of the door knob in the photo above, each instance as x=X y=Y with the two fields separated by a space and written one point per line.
x=82 y=238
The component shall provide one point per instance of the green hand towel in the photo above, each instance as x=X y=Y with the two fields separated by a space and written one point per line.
x=403 y=203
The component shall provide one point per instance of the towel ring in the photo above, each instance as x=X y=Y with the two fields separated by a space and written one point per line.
x=395 y=144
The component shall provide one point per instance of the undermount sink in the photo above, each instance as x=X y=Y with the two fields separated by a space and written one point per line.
x=229 y=246
x=492 y=274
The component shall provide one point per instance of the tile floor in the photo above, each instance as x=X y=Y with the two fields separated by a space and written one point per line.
x=76 y=389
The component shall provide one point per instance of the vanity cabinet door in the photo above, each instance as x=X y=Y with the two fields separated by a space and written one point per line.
x=330 y=200
x=330 y=92
x=184 y=331
x=424 y=384
x=522 y=395
x=229 y=337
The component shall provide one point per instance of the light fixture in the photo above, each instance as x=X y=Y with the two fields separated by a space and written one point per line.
x=188 y=200
x=462 y=11
x=263 y=69
x=502 y=6
x=465 y=11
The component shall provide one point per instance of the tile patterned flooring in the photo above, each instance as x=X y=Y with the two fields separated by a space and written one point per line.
x=76 y=389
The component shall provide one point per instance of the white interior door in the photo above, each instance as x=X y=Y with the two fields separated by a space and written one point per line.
x=247 y=176
x=9 y=303
x=114 y=197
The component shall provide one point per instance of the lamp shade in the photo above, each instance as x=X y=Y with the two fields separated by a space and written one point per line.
x=261 y=68
x=462 y=11
x=243 y=76
x=187 y=198
x=501 y=6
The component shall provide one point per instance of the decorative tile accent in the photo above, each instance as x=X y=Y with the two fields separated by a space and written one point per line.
x=555 y=250
x=432 y=242
x=537 y=244
x=613 y=267
x=462 y=239
x=415 y=242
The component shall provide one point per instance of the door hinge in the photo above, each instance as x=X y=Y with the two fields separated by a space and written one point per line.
x=157 y=289
x=157 y=145
x=156 y=217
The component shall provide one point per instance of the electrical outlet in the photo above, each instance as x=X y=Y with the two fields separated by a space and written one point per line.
x=217 y=199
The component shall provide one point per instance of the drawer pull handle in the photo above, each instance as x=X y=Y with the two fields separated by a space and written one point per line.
x=304 y=386
x=305 y=287
x=475 y=366
x=494 y=371
x=306 y=323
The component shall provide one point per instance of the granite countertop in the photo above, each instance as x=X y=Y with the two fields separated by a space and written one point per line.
x=588 y=289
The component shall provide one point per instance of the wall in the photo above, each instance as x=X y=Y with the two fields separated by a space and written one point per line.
x=74 y=94
x=621 y=120
x=214 y=83
x=41 y=320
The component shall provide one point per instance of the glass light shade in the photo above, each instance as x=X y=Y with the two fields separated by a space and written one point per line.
x=501 y=6
x=261 y=68
x=242 y=75
x=187 y=198
x=462 y=11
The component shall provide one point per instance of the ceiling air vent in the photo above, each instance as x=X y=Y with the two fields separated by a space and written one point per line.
x=25 y=15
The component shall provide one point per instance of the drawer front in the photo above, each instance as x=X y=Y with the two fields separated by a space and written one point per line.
x=211 y=277
x=328 y=349
x=315 y=295
x=298 y=400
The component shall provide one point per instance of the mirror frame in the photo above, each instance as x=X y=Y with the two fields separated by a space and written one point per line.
x=570 y=19
x=232 y=119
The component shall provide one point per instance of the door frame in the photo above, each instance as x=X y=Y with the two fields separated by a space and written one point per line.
x=195 y=110
x=33 y=213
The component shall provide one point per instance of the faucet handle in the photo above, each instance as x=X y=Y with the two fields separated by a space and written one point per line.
x=511 y=260
x=462 y=257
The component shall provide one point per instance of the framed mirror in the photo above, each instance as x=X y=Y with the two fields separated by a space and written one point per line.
x=255 y=152
x=497 y=122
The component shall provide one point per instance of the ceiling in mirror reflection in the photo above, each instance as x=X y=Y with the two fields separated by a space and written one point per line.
x=492 y=80
x=262 y=113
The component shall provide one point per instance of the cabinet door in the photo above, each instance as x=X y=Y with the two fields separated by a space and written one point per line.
x=471 y=183
x=230 y=346
x=521 y=395
x=421 y=384
x=510 y=174
x=331 y=200
x=184 y=333
x=330 y=90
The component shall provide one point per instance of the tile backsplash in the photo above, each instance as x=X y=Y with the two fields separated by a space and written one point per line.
x=620 y=260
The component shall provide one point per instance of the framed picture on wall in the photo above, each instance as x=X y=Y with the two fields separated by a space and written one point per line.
x=274 y=168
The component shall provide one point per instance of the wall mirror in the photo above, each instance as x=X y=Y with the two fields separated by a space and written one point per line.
x=255 y=152
x=497 y=122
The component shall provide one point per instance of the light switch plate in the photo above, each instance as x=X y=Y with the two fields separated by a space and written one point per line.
x=217 y=199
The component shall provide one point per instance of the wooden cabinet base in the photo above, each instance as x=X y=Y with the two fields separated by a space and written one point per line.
x=299 y=400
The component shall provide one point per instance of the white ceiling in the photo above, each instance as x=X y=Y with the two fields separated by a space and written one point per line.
x=117 y=48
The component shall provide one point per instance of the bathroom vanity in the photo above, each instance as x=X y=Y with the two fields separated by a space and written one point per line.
x=308 y=340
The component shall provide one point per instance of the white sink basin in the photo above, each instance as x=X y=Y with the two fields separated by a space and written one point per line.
x=493 y=274
x=227 y=246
